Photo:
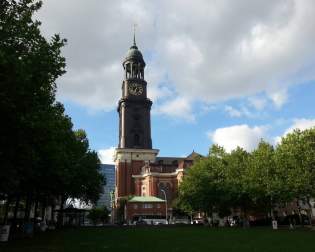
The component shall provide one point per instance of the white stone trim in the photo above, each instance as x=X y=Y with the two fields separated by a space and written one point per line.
x=127 y=155
x=159 y=174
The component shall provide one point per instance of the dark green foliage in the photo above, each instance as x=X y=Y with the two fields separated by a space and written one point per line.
x=97 y=215
x=29 y=66
x=295 y=159
x=215 y=183
x=42 y=158
x=252 y=181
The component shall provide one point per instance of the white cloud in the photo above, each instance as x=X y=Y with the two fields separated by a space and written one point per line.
x=107 y=155
x=298 y=123
x=279 y=98
x=238 y=135
x=242 y=112
x=206 y=108
x=276 y=140
x=87 y=86
x=259 y=103
x=204 y=55
x=157 y=92
x=301 y=124
x=233 y=112
x=176 y=108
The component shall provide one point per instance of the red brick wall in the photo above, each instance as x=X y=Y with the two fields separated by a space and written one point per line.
x=122 y=179
x=125 y=183
x=136 y=166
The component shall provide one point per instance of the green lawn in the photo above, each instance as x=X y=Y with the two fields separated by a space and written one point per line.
x=164 y=239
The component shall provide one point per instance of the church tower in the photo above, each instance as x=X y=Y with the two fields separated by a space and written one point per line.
x=135 y=145
x=134 y=106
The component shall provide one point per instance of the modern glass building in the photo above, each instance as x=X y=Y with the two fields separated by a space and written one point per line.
x=109 y=172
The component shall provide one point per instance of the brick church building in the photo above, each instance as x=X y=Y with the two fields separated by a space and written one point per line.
x=143 y=181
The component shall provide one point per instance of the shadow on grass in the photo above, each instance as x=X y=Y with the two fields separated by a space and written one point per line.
x=164 y=239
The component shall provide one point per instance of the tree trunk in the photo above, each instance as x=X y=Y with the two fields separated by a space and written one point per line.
x=16 y=208
x=52 y=214
x=271 y=209
x=245 y=220
x=299 y=213
x=60 y=215
x=27 y=207
x=6 y=211
x=35 y=211
x=267 y=214
x=43 y=210
x=210 y=219
x=310 y=215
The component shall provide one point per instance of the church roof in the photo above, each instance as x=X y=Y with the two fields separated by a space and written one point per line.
x=145 y=199
x=134 y=54
x=169 y=160
x=194 y=155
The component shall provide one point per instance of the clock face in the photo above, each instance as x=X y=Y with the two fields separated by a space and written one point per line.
x=135 y=89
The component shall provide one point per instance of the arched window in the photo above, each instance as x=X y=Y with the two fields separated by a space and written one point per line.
x=143 y=191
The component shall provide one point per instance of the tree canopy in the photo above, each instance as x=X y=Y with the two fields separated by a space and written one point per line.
x=42 y=157
x=259 y=180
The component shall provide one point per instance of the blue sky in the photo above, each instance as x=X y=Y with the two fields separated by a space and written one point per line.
x=176 y=137
x=225 y=72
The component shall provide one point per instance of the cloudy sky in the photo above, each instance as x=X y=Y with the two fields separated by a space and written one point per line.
x=227 y=72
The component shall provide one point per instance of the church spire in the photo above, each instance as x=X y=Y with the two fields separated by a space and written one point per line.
x=133 y=63
x=134 y=35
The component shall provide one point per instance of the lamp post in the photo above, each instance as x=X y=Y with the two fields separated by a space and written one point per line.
x=163 y=191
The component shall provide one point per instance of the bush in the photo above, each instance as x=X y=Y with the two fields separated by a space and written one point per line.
x=97 y=215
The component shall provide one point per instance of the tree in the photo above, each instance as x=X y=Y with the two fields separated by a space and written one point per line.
x=87 y=181
x=203 y=187
x=29 y=67
x=265 y=180
x=236 y=180
x=257 y=181
x=97 y=215
x=42 y=158
x=295 y=156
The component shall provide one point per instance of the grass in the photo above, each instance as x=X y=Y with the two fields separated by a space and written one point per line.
x=165 y=239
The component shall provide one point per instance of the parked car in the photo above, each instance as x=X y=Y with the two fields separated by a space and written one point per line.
x=182 y=221
x=141 y=223
x=198 y=221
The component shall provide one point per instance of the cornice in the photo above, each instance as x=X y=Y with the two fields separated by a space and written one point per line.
x=159 y=174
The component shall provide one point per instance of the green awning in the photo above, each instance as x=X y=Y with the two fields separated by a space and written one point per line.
x=144 y=199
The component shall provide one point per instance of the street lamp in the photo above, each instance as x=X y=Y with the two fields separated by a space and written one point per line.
x=163 y=191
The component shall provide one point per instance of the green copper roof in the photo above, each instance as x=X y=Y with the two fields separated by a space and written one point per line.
x=134 y=54
x=145 y=199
